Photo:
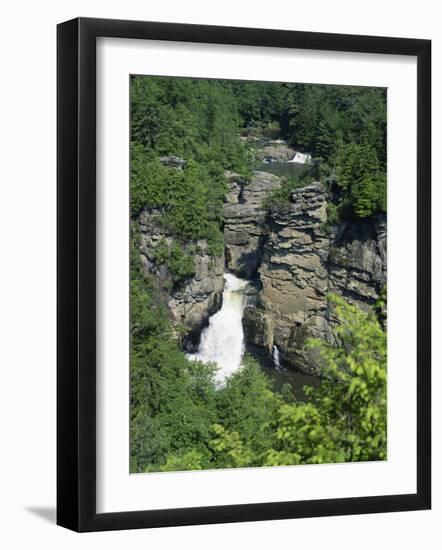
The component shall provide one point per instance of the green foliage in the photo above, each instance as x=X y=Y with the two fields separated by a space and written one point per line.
x=180 y=418
x=247 y=402
x=260 y=105
x=192 y=118
x=360 y=175
x=343 y=420
x=281 y=196
x=332 y=214
x=228 y=449
x=344 y=127
x=170 y=396
x=190 y=460
x=324 y=118
x=190 y=200
x=333 y=217
x=381 y=306
x=198 y=121
x=179 y=264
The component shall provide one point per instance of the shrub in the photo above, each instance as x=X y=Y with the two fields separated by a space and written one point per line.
x=179 y=264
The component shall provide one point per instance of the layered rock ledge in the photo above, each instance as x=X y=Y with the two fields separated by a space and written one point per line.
x=293 y=257
x=200 y=296
x=245 y=221
x=302 y=262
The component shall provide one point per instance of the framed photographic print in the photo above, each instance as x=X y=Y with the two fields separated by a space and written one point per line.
x=243 y=274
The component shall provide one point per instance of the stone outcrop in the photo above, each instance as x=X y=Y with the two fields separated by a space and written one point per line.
x=277 y=151
x=173 y=162
x=302 y=262
x=244 y=221
x=293 y=258
x=191 y=304
x=357 y=261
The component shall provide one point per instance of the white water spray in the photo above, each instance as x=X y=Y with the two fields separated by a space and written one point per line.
x=222 y=341
x=301 y=158
x=276 y=359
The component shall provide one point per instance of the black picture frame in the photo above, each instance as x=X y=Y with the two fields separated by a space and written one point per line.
x=76 y=274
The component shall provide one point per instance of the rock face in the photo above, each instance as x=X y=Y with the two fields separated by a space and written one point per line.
x=277 y=151
x=244 y=221
x=173 y=162
x=301 y=264
x=288 y=252
x=358 y=260
x=191 y=304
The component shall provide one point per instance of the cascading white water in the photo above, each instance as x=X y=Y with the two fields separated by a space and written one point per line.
x=276 y=359
x=222 y=341
x=301 y=158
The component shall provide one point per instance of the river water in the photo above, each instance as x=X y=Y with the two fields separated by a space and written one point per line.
x=222 y=342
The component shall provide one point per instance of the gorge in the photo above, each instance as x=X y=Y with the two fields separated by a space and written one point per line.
x=267 y=293
x=257 y=274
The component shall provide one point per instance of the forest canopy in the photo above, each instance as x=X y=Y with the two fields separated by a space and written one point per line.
x=201 y=120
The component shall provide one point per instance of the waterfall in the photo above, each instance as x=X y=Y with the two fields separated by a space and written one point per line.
x=222 y=341
x=276 y=359
x=301 y=158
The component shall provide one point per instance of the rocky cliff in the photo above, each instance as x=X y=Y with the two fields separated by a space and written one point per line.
x=293 y=258
x=199 y=296
x=297 y=261
x=302 y=262
x=245 y=221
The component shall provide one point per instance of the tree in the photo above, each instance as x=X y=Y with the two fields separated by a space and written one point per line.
x=343 y=420
x=360 y=176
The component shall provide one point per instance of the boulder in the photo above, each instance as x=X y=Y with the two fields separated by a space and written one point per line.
x=277 y=151
x=173 y=162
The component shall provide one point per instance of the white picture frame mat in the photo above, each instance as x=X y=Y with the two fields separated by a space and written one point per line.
x=117 y=490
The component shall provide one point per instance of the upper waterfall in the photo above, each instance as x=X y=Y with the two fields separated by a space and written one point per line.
x=222 y=341
x=301 y=158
